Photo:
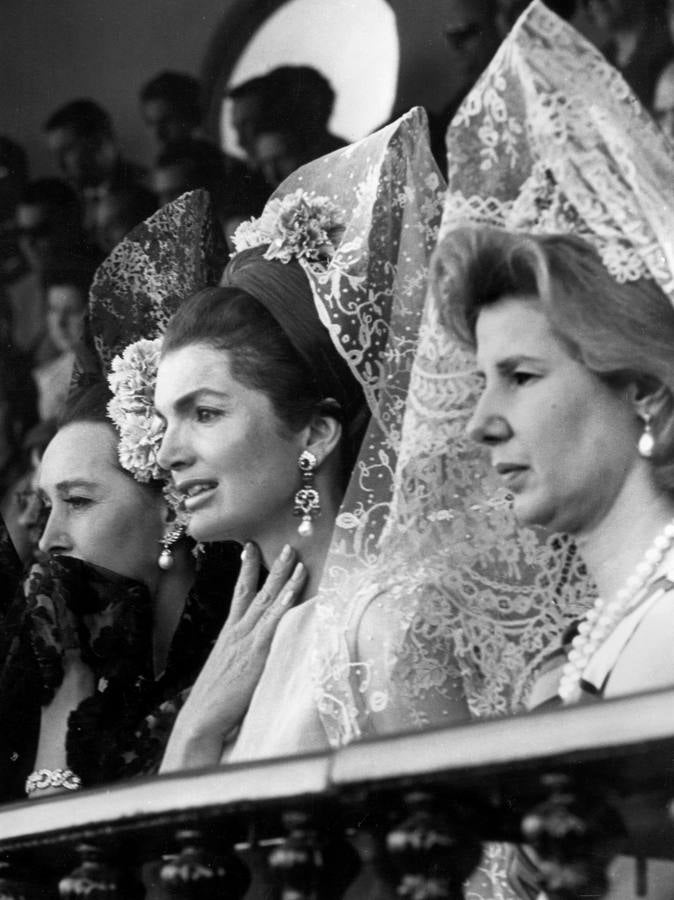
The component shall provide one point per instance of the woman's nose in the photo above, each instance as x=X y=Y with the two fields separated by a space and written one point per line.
x=172 y=451
x=54 y=538
x=488 y=424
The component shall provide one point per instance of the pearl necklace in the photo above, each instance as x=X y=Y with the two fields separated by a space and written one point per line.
x=605 y=615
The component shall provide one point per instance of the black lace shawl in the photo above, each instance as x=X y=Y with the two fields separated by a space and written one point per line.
x=66 y=604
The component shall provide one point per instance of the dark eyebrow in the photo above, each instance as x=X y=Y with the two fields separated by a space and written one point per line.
x=70 y=483
x=188 y=399
x=512 y=362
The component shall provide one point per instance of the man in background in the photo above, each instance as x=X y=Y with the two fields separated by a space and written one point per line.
x=170 y=105
x=82 y=140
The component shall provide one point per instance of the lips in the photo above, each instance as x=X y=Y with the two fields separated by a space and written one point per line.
x=511 y=473
x=195 y=492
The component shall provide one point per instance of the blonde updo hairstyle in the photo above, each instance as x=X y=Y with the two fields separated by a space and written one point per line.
x=623 y=333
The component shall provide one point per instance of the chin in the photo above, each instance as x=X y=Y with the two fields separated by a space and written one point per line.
x=552 y=517
x=528 y=512
x=206 y=527
x=202 y=530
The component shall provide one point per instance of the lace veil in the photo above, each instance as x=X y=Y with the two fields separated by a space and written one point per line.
x=371 y=297
x=435 y=603
x=552 y=139
x=162 y=261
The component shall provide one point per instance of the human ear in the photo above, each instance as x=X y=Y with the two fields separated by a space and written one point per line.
x=324 y=430
x=649 y=400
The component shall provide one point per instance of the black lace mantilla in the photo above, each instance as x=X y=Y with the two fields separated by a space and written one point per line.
x=121 y=730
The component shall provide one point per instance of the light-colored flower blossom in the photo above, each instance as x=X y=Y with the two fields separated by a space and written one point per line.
x=132 y=381
x=299 y=226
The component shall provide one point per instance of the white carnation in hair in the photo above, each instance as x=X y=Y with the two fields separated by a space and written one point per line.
x=299 y=226
x=132 y=382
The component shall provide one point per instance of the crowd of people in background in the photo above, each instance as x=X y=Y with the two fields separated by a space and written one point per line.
x=55 y=231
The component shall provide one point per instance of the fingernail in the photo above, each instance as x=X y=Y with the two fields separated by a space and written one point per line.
x=298 y=571
x=245 y=553
x=286 y=599
x=286 y=553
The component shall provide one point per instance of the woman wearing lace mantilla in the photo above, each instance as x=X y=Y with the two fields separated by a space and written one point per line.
x=110 y=629
x=119 y=626
x=461 y=603
x=577 y=280
x=562 y=286
x=327 y=275
x=431 y=605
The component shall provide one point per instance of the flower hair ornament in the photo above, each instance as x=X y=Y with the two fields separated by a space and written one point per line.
x=132 y=380
x=173 y=254
x=301 y=226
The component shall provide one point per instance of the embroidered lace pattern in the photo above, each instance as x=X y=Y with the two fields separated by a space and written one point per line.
x=68 y=605
x=552 y=139
x=433 y=603
x=164 y=260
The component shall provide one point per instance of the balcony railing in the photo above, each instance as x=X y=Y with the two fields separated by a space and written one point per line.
x=402 y=816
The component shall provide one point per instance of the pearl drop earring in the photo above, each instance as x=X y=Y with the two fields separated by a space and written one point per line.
x=166 y=560
x=307 y=498
x=646 y=444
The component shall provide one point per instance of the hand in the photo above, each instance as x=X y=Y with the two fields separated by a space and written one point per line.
x=78 y=684
x=222 y=693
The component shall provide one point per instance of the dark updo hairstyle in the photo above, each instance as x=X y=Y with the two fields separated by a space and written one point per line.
x=88 y=405
x=277 y=345
x=623 y=333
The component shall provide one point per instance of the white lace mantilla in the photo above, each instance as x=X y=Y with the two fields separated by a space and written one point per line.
x=551 y=140
x=433 y=605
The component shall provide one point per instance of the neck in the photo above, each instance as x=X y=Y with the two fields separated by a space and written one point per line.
x=169 y=593
x=614 y=546
x=311 y=551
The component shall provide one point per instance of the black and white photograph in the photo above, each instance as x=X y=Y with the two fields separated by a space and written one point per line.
x=337 y=450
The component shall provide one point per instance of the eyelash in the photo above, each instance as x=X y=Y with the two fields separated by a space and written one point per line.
x=204 y=415
x=78 y=502
x=522 y=378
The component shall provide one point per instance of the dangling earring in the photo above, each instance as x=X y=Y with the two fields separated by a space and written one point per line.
x=307 y=498
x=646 y=443
x=166 y=560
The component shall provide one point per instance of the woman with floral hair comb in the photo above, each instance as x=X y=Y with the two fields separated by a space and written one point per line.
x=118 y=618
x=277 y=442
x=265 y=387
